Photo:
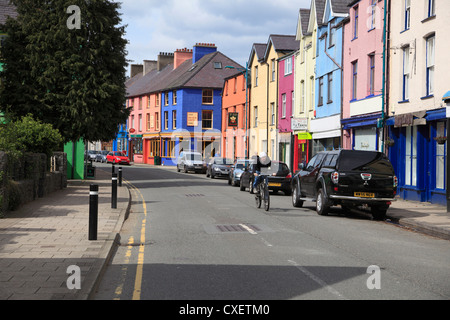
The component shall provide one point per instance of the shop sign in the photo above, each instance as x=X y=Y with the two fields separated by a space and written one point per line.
x=299 y=124
x=233 y=119
x=192 y=119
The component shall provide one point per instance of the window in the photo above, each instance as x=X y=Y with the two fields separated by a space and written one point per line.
x=140 y=103
x=207 y=119
x=166 y=98
x=431 y=8
x=311 y=102
x=157 y=99
x=405 y=86
x=217 y=65
x=148 y=102
x=157 y=120
x=283 y=106
x=132 y=122
x=273 y=70
x=174 y=119
x=272 y=113
x=441 y=154
x=355 y=24
x=147 y=117
x=411 y=156
x=207 y=96
x=354 y=79
x=255 y=117
x=407 y=14
x=320 y=91
x=288 y=66
x=256 y=76
x=373 y=9
x=140 y=122
x=332 y=41
x=430 y=65
x=174 y=97
x=371 y=74
x=330 y=88
x=235 y=85
x=166 y=120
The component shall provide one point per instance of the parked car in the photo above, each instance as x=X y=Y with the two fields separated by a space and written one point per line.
x=191 y=161
x=237 y=169
x=218 y=167
x=279 y=178
x=348 y=178
x=101 y=156
x=117 y=157
x=92 y=155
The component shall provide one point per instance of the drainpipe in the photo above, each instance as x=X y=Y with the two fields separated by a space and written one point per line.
x=383 y=114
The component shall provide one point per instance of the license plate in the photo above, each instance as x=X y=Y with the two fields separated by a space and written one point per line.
x=273 y=184
x=364 y=195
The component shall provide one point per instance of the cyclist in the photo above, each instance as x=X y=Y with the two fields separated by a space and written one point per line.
x=262 y=161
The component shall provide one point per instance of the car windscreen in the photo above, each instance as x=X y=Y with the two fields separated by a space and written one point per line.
x=373 y=162
x=223 y=161
x=194 y=157
x=275 y=167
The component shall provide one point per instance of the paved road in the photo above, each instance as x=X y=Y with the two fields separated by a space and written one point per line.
x=191 y=237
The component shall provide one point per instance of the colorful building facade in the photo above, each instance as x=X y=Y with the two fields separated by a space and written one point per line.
x=235 y=116
x=417 y=85
x=363 y=68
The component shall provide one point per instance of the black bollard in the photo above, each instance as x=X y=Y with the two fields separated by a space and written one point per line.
x=113 y=169
x=114 y=191
x=120 y=176
x=93 y=212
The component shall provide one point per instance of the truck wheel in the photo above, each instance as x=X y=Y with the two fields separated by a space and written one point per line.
x=378 y=213
x=321 y=203
x=296 y=202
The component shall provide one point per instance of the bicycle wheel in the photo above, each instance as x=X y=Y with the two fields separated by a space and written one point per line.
x=266 y=197
x=258 y=198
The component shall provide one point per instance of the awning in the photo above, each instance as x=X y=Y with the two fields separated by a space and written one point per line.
x=417 y=118
x=361 y=121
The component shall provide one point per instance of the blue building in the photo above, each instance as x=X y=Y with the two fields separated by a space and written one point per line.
x=326 y=127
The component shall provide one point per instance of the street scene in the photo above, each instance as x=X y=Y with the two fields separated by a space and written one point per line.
x=149 y=156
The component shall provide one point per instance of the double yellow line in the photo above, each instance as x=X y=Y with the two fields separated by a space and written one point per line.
x=140 y=263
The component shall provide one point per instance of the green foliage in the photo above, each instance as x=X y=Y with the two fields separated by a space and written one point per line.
x=29 y=135
x=71 y=78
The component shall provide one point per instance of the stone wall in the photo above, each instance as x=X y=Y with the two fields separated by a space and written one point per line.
x=28 y=178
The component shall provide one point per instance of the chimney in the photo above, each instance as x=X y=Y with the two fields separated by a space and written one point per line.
x=180 y=56
x=136 y=69
x=149 y=66
x=202 y=49
x=164 y=59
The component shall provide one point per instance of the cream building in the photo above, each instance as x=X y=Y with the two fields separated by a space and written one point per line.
x=419 y=77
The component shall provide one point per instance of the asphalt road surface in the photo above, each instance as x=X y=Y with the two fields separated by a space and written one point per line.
x=189 y=237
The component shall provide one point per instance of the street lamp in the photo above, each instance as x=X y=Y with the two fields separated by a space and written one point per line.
x=244 y=71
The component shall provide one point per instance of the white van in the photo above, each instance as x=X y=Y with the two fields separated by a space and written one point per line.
x=191 y=161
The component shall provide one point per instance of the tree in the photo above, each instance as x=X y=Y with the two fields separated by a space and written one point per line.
x=71 y=78
x=29 y=135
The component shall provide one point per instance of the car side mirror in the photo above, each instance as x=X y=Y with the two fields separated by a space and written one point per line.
x=301 y=166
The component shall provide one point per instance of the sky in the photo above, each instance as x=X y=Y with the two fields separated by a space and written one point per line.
x=155 y=26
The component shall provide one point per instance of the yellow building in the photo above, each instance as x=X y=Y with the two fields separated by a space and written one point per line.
x=263 y=65
x=305 y=66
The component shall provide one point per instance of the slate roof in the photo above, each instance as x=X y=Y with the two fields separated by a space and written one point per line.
x=304 y=18
x=320 y=10
x=7 y=9
x=282 y=43
x=340 y=6
x=202 y=74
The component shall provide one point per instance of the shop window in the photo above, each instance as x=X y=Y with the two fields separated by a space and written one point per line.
x=411 y=156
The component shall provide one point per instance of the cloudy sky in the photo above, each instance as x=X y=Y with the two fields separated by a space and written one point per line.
x=233 y=25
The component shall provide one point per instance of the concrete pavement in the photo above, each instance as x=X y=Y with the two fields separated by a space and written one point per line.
x=40 y=241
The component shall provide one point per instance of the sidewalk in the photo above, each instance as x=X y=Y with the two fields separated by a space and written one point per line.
x=431 y=219
x=43 y=238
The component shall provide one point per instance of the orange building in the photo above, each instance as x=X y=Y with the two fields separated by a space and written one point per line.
x=235 y=115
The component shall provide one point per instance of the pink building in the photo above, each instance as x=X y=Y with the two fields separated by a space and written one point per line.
x=362 y=76
x=285 y=105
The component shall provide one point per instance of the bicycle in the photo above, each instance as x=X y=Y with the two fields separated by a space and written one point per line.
x=262 y=193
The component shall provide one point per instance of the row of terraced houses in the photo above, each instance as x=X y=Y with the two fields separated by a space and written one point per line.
x=355 y=74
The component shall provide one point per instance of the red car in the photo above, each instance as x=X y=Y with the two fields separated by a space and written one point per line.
x=117 y=157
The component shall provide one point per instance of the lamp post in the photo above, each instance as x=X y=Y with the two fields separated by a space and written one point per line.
x=244 y=71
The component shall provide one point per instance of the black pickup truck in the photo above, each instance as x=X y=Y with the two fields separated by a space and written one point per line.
x=348 y=178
